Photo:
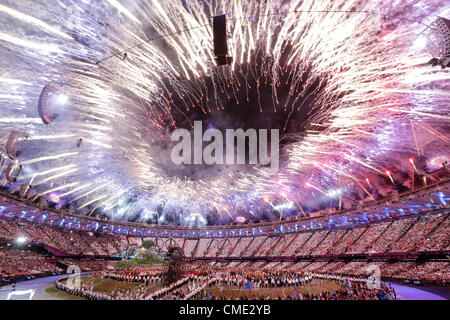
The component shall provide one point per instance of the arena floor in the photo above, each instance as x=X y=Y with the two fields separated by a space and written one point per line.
x=40 y=286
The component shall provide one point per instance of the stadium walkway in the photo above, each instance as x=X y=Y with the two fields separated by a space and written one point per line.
x=38 y=285
x=410 y=293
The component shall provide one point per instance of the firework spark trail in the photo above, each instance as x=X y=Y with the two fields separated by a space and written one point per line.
x=351 y=73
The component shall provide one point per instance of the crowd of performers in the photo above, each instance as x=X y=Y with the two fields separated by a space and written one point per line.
x=353 y=291
x=198 y=280
x=146 y=279
x=86 y=290
x=262 y=278
x=145 y=276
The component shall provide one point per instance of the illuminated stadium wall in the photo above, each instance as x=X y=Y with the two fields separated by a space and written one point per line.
x=433 y=198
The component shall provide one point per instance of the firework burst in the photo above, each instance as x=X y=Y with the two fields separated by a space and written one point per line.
x=344 y=81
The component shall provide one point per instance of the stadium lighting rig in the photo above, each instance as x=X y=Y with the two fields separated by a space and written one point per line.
x=220 y=40
x=440 y=42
